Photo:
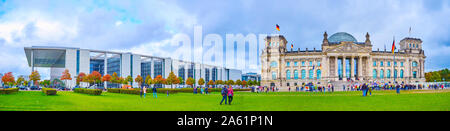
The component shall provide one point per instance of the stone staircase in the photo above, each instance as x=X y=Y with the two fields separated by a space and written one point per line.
x=338 y=85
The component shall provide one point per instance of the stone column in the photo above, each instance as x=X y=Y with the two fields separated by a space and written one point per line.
x=105 y=69
x=359 y=67
x=423 y=69
x=369 y=67
x=352 y=69
x=336 y=74
x=152 y=68
x=343 y=68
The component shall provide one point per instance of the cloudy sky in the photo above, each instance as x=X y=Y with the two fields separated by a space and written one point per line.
x=146 y=26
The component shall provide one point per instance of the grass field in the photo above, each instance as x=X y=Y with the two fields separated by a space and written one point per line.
x=418 y=100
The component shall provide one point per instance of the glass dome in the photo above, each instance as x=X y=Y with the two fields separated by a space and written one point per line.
x=341 y=36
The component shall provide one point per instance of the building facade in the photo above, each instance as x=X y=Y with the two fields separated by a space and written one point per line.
x=341 y=59
x=78 y=60
x=251 y=76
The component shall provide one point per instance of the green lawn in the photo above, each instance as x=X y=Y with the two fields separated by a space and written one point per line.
x=243 y=101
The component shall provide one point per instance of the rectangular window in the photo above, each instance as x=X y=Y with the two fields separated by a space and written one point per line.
x=310 y=63
x=296 y=63
x=303 y=63
x=388 y=63
x=288 y=64
x=381 y=63
x=395 y=63
x=374 y=63
x=401 y=64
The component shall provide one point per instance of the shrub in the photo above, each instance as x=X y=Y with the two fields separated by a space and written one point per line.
x=49 y=91
x=164 y=90
x=9 y=90
x=88 y=91
x=125 y=91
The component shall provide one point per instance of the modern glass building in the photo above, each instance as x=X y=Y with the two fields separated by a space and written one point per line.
x=78 y=60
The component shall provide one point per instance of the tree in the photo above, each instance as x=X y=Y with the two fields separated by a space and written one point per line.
x=20 y=81
x=115 y=79
x=139 y=80
x=45 y=83
x=230 y=82
x=8 y=79
x=148 y=80
x=121 y=80
x=210 y=83
x=181 y=80
x=244 y=83
x=129 y=80
x=159 y=80
x=106 y=78
x=190 y=81
x=25 y=82
x=80 y=77
x=35 y=77
x=66 y=76
x=172 y=79
x=201 y=82
x=218 y=82
x=238 y=82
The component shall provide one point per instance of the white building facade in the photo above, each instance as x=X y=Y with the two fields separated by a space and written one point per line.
x=78 y=60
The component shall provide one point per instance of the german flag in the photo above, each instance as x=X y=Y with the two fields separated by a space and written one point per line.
x=278 y=27
x=292 y=46
x=393 y=46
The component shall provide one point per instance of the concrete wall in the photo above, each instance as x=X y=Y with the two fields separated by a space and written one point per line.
x=125 y=65
x=71 y=65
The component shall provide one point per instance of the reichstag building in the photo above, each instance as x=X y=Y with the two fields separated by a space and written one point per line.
x=341 y=60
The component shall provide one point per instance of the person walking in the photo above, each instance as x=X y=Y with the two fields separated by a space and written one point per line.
x=363 y=90
x=141 y=91
x=370 y=90
x=144 y=91
x=154 y=92
x=224 y=93
x=201 y=89
x=230 y=95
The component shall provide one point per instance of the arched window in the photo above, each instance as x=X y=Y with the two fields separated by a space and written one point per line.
x=401 y=73
x=303 y=74
x=381 y=74
x=374 y=73
x=274 y=75
x=273 y=64
x=319 y=74
x=388 y=74
x=288 y=75
x=395 y=73
x=296 y=74
x=311 y=74
x=414 y=64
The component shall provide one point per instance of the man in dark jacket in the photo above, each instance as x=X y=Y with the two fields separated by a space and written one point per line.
x=224 y=95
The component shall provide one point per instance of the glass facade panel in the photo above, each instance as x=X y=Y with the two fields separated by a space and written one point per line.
x=114 y=65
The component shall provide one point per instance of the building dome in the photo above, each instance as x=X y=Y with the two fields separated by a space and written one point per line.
x=341 y=36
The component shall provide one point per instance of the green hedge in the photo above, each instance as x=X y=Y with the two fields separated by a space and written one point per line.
x=49 y=91
x=88 y=91
x=164 y=90
x=9 y=90
x=125 y=91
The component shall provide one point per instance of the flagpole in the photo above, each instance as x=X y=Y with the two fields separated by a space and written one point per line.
x=394 y=62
